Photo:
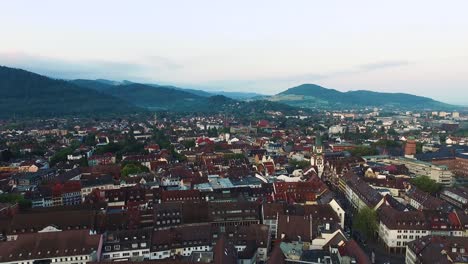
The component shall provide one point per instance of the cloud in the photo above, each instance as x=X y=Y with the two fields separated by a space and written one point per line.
x=383 y=65
x=163 y=63
x=279 y=83
x=74 y=69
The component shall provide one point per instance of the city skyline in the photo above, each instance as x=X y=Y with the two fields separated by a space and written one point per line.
x=265 y=47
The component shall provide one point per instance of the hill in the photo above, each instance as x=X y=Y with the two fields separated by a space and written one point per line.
x=158 y=97
x=315 y=96
x=102 y=84
x=26 y=94
x=151 y=97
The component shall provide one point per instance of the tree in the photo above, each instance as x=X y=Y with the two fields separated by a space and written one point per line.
x=133 y=168
x=299 y=164
x=213 y=132
x=392 y=132
x=442 y=138
x=360 y=151
x=90 y=140
x=61 y=155
x=419 y=147
x=365 y=221
x=23 y=203
x=188 y=144
x=426 y=184
x=6 y=155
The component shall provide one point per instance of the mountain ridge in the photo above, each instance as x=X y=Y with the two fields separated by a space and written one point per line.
x=25 y=93
x=313 y=95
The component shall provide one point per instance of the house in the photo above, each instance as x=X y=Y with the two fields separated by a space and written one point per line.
x=37 y=221
x=90 y=183
x=126 y=245
x=398 y=228
x=312 y=220
x=437 y=249
x=422 y=200
x=457 y=196
x=360 y=194
x=104 y=159
x=26 y=180
x=72 y=246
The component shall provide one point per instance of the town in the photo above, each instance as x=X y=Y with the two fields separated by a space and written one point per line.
x=348 y=186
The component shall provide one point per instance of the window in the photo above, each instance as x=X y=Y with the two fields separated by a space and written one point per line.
x=125 y=254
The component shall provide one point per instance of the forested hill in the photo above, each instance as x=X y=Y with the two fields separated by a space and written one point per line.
x=24 y=93
x=315 y=96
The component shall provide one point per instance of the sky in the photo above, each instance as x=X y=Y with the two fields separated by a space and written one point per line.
x=417 y=46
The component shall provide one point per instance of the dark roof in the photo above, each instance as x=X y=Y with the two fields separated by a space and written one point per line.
x=437 y=249
x=49 y=245
x=224 y=252
x=352 y=249
x=35 y=221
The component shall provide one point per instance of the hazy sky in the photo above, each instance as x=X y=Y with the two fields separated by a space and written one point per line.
x=414 y=46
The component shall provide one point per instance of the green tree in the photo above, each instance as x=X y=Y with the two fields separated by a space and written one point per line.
x=299 y=164
x=11 y=198
x=188 y=144
x=365 y=221
x=213 y=132
x=426 y=184
x=442 y=138
x=90 y=140
x=133 y=168
x=360 y=151
x=419 y=147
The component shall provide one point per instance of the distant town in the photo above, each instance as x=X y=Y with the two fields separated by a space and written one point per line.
x=348 y=186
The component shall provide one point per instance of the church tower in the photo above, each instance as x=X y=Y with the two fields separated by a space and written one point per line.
x=317 y=158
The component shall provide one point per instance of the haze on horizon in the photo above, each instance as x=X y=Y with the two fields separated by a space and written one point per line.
x=418 y=47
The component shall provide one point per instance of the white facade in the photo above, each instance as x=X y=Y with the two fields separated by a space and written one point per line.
x=85 y=191
x=394 y=238
x=75 y=259
x=440 y=174
x=183 y=251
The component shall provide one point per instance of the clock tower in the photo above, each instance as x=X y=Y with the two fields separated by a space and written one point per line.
x=317 y=158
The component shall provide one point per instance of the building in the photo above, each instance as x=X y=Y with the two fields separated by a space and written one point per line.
x=410 y=147
x=310 y=220
x=250 y=242
x=398 y=228
x=73 y=246
x=457 y=196
x=90 y=183
x=127 y=245
x=422 y=200
x=104 y=159
x=439 y=173
x=437 y=249
x=360 y=194
x=339 y=147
